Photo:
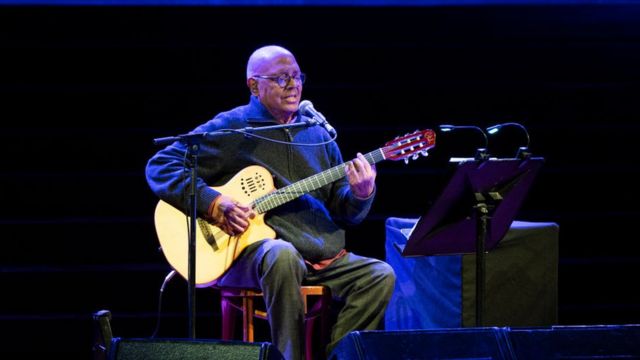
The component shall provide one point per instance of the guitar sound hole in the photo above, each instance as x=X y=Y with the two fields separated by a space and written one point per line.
x=252 y=184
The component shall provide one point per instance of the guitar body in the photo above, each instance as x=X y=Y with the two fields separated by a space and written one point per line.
x=215 y=250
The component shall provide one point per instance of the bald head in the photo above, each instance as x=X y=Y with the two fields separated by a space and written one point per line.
x=265 y=71
x=263 y=57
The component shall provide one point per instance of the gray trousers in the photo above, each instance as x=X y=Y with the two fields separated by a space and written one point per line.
x=363 y=284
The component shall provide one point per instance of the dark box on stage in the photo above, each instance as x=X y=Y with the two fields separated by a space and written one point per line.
x=439 y=291
x=472 y=343
x=576 y=342
x=554 y=342
x=174 y=349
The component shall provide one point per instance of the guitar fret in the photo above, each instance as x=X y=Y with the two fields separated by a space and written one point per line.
x=305 y=186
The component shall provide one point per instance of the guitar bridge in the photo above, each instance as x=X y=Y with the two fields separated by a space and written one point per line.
x=208 y=236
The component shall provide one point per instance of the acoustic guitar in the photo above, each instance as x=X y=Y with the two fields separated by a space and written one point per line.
x=253 y=185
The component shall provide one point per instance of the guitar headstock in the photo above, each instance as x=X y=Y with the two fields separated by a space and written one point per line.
x=410 y=146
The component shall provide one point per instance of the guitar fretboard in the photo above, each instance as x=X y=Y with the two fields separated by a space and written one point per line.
x=299 y=188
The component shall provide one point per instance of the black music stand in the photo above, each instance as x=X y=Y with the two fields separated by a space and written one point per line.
x=474 y=212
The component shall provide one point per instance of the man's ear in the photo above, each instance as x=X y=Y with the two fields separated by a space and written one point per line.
x=253 y=86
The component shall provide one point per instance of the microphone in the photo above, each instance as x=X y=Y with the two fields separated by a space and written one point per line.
x=306 y=108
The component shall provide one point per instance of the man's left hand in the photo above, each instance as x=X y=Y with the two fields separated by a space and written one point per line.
x=361 y=176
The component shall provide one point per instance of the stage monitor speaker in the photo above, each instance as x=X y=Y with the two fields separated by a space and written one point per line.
x=461 y=343
x=174 y=349
x=577 y=342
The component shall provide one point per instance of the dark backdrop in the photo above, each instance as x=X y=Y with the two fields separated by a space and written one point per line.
x=85 y=90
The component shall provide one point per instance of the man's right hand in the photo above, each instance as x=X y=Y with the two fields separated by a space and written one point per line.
x=231 y=216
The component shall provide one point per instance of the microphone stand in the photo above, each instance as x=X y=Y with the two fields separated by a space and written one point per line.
x=193 y=140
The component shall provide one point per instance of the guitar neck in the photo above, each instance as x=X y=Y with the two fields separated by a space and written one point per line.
x=299 y=188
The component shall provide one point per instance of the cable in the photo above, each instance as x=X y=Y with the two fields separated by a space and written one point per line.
x=164 y=284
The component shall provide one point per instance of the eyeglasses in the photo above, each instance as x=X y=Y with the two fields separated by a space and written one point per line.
x=283 y=79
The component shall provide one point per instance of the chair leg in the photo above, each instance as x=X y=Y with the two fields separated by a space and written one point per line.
x=232 y=302
x=317 y=320
x=247 y=318
x=325 y=319
x=308 y=339
x=228 y=318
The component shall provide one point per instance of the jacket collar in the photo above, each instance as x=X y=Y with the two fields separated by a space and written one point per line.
x=257 y=113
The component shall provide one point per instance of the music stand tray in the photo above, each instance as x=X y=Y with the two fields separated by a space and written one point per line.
x=474 y=212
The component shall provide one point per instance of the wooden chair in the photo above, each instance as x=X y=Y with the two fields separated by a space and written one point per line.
x=316 y=315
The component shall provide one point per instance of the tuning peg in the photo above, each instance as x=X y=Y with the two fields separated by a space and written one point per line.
x=406 y=160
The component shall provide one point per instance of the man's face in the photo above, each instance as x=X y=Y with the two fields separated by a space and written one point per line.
x=280 y=99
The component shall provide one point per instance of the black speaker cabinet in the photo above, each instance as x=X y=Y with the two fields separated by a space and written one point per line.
x=174 y=349
x=462 y=343
x=577 y=342
x=557 y=342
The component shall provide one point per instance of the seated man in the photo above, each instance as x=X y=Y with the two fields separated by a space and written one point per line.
x=309 y=248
